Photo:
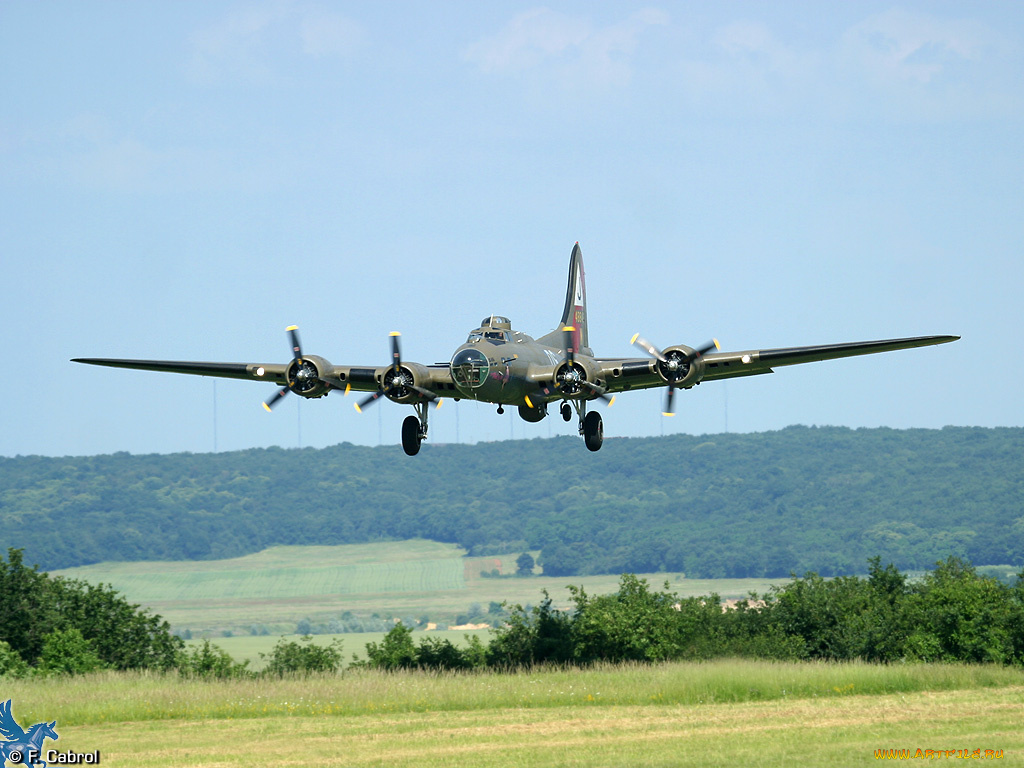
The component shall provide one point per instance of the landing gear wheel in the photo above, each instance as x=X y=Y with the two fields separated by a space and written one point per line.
x=411 y=435
x=593 y=431
x=566 y=412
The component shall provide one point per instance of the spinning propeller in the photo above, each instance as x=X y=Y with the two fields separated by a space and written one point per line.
x=397 y=381
x=570 y=378
x=302 y=375
x=674 y=365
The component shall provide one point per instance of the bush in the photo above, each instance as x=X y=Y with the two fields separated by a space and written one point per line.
x=11 y=664
x=958 y=615
x=34 y=606
x=66 y=652
x=303 y=657
x=634 y=624
x=540 y=635
x=210 y=661
x=396 y=650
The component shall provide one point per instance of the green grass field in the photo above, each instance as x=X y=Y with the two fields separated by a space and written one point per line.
x=279 y=586
x=729 y=712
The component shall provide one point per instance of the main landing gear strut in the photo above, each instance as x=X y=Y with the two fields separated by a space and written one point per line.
x=414 y=429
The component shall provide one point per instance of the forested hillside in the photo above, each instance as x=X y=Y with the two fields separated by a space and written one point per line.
x=737 y=505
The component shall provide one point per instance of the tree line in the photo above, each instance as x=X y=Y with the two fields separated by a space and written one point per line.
x=731 y=505
x=56 y=625
x=952 y=614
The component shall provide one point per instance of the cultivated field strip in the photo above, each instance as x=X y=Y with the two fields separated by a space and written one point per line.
x=234 y=584
x=281 y=585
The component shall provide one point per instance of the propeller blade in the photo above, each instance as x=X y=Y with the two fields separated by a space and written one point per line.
x=274 y=399
x=293 y=335
x=426 y=394
x=369 y=400
x=396 y=354
x=713 y=344
x=293 y=332
x=568 y=339
x=647 y=347
x=668 y=402
x=601 y=392
x=539 y=398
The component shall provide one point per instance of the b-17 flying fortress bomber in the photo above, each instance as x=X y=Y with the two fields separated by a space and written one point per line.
x=502 y=366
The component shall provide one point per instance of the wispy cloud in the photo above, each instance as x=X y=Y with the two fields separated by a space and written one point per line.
x=896 y=63
x=326 y=33
x=570 y=48
x=754 y=43
x=253 y=43
x=905 y=46
x=89 y=152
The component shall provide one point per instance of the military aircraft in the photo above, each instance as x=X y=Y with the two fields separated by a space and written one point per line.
x=502 y=366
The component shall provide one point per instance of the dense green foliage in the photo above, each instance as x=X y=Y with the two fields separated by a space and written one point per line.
x=951 y=615
x=732 y=505
x=398 y=651
x=290 y=657
x=56 y=625
x=208 y=661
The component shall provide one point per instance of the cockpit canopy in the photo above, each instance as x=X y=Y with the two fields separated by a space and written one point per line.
x=496 y=321
x=469 y=368
x=495 y=328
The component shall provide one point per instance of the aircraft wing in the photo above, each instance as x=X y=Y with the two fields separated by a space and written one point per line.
x=726 y=365
x=272 y=372
x=642 y=372
x=435 y=378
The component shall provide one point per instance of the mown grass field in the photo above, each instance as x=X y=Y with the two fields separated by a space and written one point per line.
x=728 y=712
x=279 y=586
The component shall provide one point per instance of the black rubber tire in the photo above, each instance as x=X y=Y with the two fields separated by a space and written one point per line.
x=411 y=435
x=593 y=431
x=566 y=411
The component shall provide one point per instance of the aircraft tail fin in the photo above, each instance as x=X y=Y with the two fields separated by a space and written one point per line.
x=574 y=314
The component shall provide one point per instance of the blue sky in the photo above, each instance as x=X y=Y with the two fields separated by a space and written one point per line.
x=184 y=180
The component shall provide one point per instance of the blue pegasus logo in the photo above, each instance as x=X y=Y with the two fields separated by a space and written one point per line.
x=23 y=747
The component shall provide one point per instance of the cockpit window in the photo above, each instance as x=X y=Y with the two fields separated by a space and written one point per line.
x=469 y=368
x=499 y=336
x=474 y=337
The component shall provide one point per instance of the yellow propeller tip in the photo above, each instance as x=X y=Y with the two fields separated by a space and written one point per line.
x=529 y=403
x=394 y=333
x=439 y=402
x=569 y=328
x=292 y=328
x=611 y=402
x=356 y=406
x=667 y=414
x=717 y=345
x=266 y=407
x=635 y=337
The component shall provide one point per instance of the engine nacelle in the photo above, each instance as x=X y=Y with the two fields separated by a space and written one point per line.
x=682 y=367
x=568 y=379
x=303 y=376
x=400 y=386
